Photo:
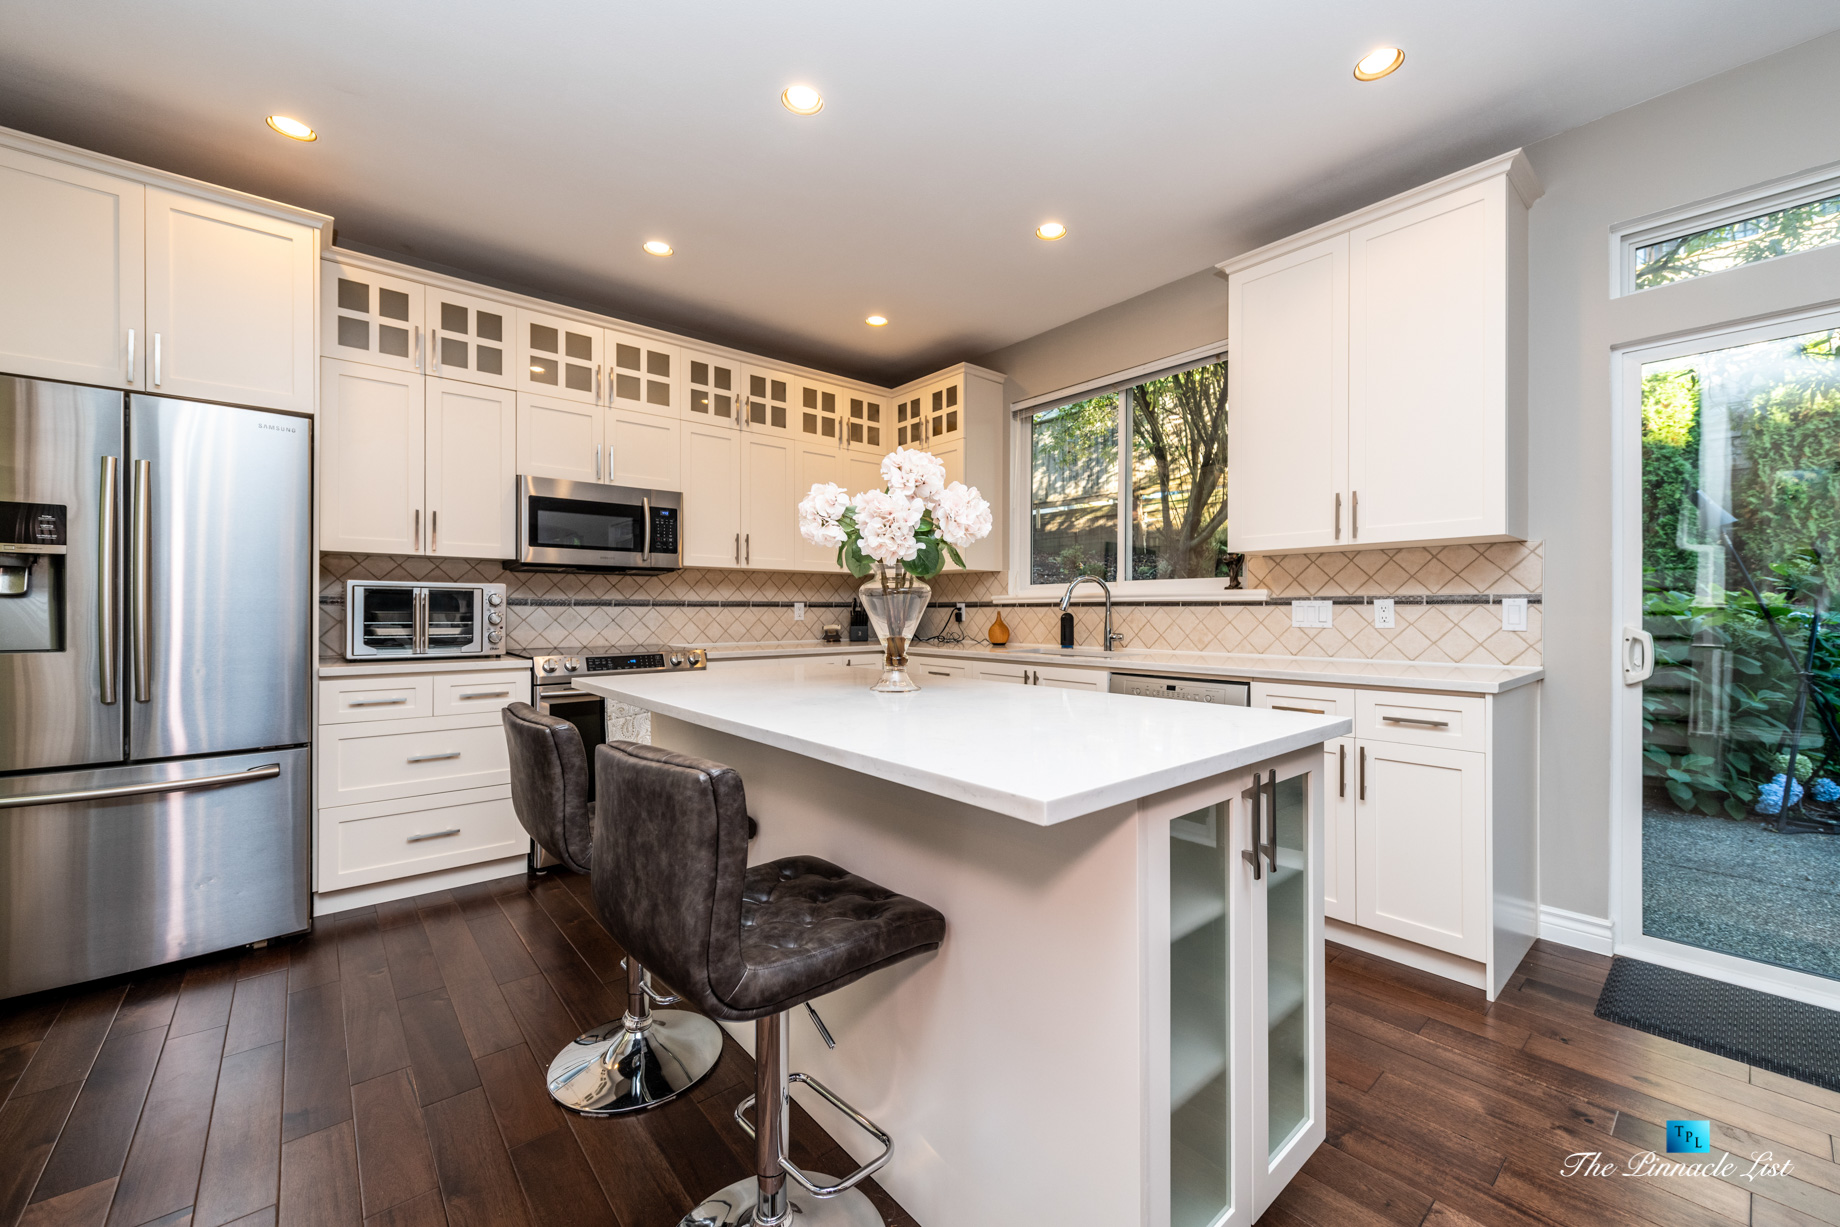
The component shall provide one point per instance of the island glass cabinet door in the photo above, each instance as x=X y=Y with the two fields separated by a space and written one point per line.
x=1244 y=1025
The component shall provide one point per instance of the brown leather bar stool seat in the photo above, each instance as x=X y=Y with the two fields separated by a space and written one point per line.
x=745 y=945
x=646 y=1056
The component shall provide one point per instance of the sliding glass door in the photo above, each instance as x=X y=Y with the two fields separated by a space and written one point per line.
x=1730 y=841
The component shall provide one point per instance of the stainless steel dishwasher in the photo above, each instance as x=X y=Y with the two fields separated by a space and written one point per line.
x=1188 y=689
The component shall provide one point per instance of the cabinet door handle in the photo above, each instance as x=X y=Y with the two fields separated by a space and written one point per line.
x=1361 y=777
x=597 y=462
x=376 y=702
x=480 y=694
x=1308 y=711
x=418 y=347
x=737 y=549
x=939 y=673
x=1354 y=515
x=416 y=839
x=434 y=532
x=156 y=359
x=130 y=378
x=597 y=384
x=418 y=530
x=434 y=350
x=434 y=758
x=1338 y=515
x=1430 y=724
x=1341 y=771
x=1251 y=855
x=747 y=548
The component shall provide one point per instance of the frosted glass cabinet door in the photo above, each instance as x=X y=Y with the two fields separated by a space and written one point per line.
x=863 y=430
x=819 y=414
x=371 y=440
x=559 y=357
x=642 y=374
x=767 y=405
x=1204 y=1093
x=472 y=471
x=72 y=263
x=470 y=339
x=369 y=317
x=714 y=390
x=230 y=303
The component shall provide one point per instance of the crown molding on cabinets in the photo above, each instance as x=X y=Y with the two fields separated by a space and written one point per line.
x=56 y=150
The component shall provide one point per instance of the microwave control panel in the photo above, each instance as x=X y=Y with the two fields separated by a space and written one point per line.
x=664 y=530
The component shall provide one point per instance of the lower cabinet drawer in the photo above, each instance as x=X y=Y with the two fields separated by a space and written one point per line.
x=350 y=699
x=385 y=840
x=466 y=694
x=921 y=667
x=385 y=760
x=1447 y=720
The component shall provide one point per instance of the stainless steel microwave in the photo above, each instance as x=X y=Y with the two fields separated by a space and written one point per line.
x=405 y=618
x=585 y=526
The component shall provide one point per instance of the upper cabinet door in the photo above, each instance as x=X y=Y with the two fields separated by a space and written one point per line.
x=1428 y=380
x=819 y=414
x=642 y=450
x=818 y=460
x=1288 y=388
x=560 y=438
x=369 y=317
x=713 y=395
x=470 y=339
x=72 y=263
x=559 y=357
x=944 y=415
x=768 y=403
x=712 y=494
x=230 y=303
x=371 y=441
x=471 y=470
x=863 y=427
x=910 y=421
x=642 y=374
x=769 y=503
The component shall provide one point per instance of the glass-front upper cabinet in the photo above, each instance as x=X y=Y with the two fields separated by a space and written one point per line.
x=769 y=402
x=642 y=373
x=864 y=428
x=370 y=317
x=944 y=418
x=714 y=386
x=558 y=356
x=468 y=338
x=909 y=422
x=818 y=418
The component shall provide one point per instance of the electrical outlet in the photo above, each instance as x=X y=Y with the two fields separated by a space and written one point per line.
x=1514 y=613
x=958 y=612
x=798 y=611
x=1383 y=613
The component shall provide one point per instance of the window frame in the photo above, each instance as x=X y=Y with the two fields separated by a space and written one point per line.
x=1778 y=194
x=1023 y=412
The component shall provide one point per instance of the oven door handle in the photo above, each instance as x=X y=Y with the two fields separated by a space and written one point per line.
x=645 y=551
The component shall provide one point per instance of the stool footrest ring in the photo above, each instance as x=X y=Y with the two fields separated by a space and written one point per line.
x=856 y=1118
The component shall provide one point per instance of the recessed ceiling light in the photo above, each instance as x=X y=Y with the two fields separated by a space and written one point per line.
x=658 y=247
x=292 y=127
x=802 y=100
x=1050 y=231
x=1378 y=62
x=876 y=321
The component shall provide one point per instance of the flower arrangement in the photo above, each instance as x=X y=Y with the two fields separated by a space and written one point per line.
x=915 y=523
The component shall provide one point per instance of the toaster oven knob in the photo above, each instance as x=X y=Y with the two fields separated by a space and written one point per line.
x=492 y=598
x=549 y=666
x=570 y=664
x=495 y=618
x=494 y=636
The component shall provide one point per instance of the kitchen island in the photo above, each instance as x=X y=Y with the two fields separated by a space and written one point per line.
x=1124 y=1024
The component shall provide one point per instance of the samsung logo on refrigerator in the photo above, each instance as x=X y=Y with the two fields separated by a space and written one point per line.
x=286 y=430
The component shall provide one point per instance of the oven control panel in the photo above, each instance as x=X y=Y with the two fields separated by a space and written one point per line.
x=587 y=662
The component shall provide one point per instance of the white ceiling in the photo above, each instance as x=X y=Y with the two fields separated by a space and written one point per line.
x=539 y=143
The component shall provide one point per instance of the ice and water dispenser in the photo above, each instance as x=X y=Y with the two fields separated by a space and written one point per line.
x=32 y=547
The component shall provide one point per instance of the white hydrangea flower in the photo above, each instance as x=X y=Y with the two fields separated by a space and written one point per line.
x=886 y=522
x=920 y=475
x=962 y=515
x=820 y=511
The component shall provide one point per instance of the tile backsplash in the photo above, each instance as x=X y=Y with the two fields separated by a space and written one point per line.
x=1447 y=605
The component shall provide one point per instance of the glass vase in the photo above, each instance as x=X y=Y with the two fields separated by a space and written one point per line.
x=895 y=602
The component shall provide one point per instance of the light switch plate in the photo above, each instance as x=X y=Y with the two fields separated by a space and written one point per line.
x=1313 y=615
x=798 y=611
x=1514 y=613
x=1383 y=613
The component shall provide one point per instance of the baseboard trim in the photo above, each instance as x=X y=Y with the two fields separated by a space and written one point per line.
x=335 y=901
x=1398 y=950
x=1575 y=929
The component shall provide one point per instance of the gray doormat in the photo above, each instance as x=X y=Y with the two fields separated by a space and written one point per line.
x=1785 y=1037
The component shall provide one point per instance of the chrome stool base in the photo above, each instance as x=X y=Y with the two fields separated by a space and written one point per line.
x=735 y=1206
x=612 y=1070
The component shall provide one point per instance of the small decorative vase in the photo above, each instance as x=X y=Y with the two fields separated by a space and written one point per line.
x=999 y=632
x=895 y=602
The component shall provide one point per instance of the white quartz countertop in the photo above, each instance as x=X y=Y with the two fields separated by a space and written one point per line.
x=1040 y=754
x=1321 y=670
x=338 y=666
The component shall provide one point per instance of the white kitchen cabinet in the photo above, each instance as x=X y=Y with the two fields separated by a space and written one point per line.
x=1016 y=673
x=714 y=389
x=769 y=502
x=819 y=413
x=643 y=449
x=862 y=470
x=370 y=316
x=960 y=415
x=469 y=338
x=230 y=303
x=1340 y=851
x=769 y=403
x=818 y=460
x=1288 y=318
x=1420 y=846
x=73 y=266
x=559 y=357
x=864 y=428
x=371 y=439
x=561 y=438
x=1378 y=371
x=471 y=470
x=712 y=494
x=642 y=374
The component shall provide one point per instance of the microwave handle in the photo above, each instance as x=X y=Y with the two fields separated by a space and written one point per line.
x=645 y=550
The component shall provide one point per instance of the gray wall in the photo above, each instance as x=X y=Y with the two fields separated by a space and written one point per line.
x=1760 y=122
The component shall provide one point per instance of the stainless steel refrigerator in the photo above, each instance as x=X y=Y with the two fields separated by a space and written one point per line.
x=156 y=596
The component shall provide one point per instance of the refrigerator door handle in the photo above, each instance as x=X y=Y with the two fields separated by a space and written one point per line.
x=267 y=771
x=108 y=627
x=143 y=581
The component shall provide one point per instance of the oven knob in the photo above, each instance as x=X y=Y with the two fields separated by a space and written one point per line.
x=696 y=658
x=494 y=636
x=492 y=598
x=676 y=661
x=495 y=618
x=570 y=664
x=549 y=666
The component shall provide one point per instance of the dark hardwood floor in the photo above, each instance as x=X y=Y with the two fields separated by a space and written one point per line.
x=386 y=1071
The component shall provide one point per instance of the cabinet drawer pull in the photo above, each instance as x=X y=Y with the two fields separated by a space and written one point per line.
x=939 y=672
x=485 y=694
x=376 y=702
x=416 y=839
x=1308 y=711
x=1361 y=777
x=434 y=758
x=1341 y=771
x=1430 y=724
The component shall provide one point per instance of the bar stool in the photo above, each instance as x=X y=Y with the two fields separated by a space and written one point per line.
x=646 y=1056
x=745 y=945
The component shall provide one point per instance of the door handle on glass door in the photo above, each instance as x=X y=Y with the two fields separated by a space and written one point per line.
x=106 y=609
x=1270 y=846
x=1638 y=655
x=1251 y=855
x=143 y=581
